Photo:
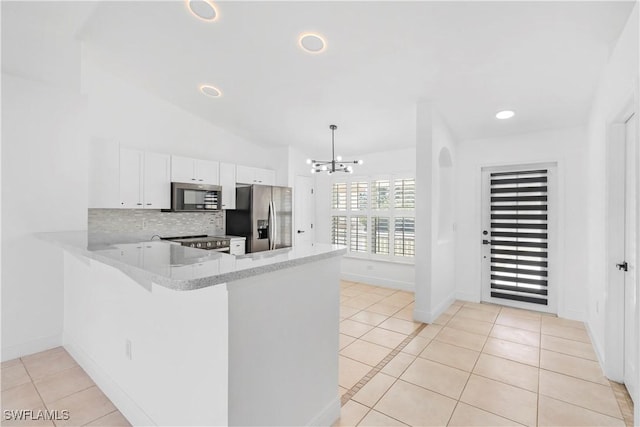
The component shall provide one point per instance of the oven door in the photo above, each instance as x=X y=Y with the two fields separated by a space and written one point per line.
x=195 y=197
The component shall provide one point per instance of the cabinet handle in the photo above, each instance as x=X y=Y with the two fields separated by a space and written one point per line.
x=139 y=204
x=148 y=204
x=201 y=180
x=193 y=179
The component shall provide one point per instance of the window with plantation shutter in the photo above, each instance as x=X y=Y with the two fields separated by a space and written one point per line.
x=339 y=230
x=380 y=235
x=380 y=191
x=374 y=217
x=358 y=232
x=339 y=196
x=359 y=196
x=405 y=193
x=404 y=236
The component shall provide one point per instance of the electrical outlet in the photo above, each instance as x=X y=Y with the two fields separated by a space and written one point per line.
x=127 y=349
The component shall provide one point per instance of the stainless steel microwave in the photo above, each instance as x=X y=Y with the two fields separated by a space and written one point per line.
x=195 y=197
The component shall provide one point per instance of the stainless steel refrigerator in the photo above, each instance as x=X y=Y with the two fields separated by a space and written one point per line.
x=263 y=215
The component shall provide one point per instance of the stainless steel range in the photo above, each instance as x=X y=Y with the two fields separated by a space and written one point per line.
x=209 y=243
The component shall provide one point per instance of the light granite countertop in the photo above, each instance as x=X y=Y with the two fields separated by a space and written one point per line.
x=182 y=268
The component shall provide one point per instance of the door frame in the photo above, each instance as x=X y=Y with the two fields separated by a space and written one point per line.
x=614 y=252
x=555 y=252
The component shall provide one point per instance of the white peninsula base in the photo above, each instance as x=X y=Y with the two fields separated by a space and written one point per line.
x=260 y=350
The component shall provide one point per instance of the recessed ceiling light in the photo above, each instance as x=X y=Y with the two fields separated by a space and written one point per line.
x=506 y=114
x=312 y=43
x=211 y=91
x=203 y=9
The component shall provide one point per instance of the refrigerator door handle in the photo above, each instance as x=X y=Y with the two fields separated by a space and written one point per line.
x=275 y=223
x=271 y=225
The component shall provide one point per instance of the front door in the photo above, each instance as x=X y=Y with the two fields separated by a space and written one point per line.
x=516 y=237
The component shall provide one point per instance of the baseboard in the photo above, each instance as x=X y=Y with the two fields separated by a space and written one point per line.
x=328 y=415
x=30 y=347
x=378 y=281
x=467 y=296
x=125 y=404
x=597 y=348
x=428 y=316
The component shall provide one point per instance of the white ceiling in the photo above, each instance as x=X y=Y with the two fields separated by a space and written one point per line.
x=541 y=59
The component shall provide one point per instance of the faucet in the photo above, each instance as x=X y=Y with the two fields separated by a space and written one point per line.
x=155 y=235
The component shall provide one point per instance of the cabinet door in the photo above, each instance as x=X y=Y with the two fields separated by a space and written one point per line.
x=228 y=183
x=265 y=177
x=104 y=174
x=237 y=246
x=157 y=181
x=183 y=169
x=207 y=172
x=245 y=175
x=131 y=178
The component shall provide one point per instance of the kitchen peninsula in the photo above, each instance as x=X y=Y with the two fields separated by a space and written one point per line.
x=180 y=336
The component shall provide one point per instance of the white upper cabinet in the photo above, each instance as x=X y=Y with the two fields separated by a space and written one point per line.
x=194 y=171
x=250 y=175
x=207 y=172
x=131 y=164
x=104 y=174
x=228 y=183
x=144 y=180
x=157 y=181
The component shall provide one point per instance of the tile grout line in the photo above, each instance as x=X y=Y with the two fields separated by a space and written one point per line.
x=376 y=369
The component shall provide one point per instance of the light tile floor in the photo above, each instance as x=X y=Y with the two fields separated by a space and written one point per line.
x=478 y=364
x=53 y=381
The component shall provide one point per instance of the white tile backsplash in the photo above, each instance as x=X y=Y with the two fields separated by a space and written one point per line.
x=141 y=224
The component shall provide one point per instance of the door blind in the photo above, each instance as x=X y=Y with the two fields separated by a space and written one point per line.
x=519 y=236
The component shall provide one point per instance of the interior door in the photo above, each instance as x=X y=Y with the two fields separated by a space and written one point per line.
x=515 y=237
x=629 y=267
x=304 y=207
x=283 y=216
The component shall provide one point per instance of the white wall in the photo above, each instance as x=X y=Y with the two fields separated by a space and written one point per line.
x=435 y=233
x=618 y=83
x=44 y=188
x=375 y=272
x=567 y=147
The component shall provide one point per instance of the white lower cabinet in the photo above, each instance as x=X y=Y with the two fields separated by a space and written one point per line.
x=237 y=246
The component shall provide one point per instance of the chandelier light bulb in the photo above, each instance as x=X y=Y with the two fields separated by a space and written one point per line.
x=308 y=161
x=339 y=158
x=324 y=167
x=313 y=171
x=360 y=162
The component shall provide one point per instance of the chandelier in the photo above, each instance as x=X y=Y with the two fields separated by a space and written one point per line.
x=336 y=164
